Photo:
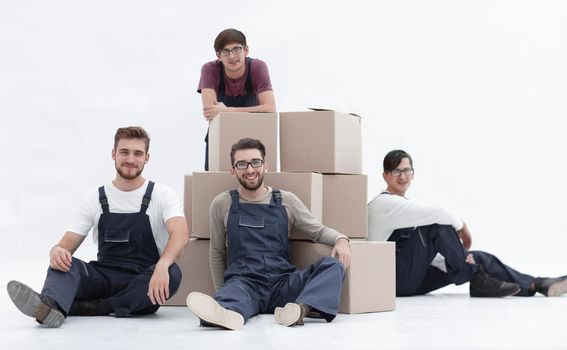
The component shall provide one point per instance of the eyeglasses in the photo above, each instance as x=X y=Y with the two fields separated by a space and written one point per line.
x=243 y=165
x=235 y=51
x=399 y=172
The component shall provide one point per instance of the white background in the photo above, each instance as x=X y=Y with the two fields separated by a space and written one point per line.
x=474 y=90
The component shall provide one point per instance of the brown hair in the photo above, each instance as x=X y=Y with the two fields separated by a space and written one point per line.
x=229 y=36
x=132 y=132
x=247 y=143
x=394 y=158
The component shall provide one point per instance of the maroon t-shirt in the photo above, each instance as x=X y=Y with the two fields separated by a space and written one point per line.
x=235 y=87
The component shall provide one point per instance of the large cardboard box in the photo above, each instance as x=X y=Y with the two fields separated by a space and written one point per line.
x=345 y=204
x=370 y=282
x=205 y=186
x=227 y=128
x=194 y=264
x=320 y=141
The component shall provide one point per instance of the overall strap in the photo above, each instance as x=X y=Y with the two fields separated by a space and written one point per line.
x=221 y=80
x=103 y=200
x=147 y=197
x=276 y=198
x=248 y=84
x=235 y=201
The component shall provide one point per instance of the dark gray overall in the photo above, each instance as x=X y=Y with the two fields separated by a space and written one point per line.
x=127 y=254
x=260 y=277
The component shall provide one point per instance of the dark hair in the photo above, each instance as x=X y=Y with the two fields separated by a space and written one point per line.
x=229 y=36
x=247 y=143
x=132 y=132
x=394 y=158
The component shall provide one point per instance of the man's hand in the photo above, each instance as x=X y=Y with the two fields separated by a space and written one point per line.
x=465 y=236
x=158 y=289
x=211 y=111
x=60 y=258
x=341 y=250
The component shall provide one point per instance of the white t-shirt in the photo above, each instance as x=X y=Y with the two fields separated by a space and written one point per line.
x=388 y=212
x=163 y=206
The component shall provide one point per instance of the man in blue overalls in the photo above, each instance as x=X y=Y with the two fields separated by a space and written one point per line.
x=249 y=253
x=234 y=82
x=432 y=245
x=140 y=229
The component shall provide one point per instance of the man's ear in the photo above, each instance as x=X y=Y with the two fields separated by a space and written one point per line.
x=113 y=153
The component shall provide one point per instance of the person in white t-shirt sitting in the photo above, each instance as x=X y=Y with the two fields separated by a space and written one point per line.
x=140 y=230
x=432 y=244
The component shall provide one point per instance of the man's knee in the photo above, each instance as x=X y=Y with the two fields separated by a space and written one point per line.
x=174 y=278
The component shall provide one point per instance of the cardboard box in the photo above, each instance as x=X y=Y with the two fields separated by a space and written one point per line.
x=194 y=264
x=370 y=282
x=345 y=205
x=320 y=141
x=227 y=128
x=207 y=185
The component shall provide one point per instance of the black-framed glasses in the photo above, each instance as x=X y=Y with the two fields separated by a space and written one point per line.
x=243 y=165
x=235 y=51
x=399 y=172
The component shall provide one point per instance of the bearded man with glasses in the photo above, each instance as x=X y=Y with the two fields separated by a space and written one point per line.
x=234 y=82
x=249 y=257
x=432 y=244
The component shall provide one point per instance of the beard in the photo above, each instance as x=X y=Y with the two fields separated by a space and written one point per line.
x=254 y=186
x=128 y=176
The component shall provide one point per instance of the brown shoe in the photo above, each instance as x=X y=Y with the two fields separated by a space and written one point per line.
x=210 y=311
x=32 y=304
x=291 y=314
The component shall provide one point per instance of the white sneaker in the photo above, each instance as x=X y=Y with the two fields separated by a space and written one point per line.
x=207 y=309
x=289 y=315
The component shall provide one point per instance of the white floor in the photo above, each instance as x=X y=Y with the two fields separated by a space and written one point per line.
x=444 y=320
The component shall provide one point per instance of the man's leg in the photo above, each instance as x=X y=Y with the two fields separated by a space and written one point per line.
x=495 y=268
x=133 y=299
x=445 y=241
x=414 y=253
x=60 y=289
x=312 y=292
x=233 y=304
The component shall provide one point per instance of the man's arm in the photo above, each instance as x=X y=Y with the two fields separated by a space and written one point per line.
x=211 y=108
x=158 y=289
x=395 y=212
x=61 y=255
x=303 y=221
x=217 y=247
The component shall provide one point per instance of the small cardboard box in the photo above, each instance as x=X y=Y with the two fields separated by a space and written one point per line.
x=345 y=205
x=205 y=186
x=187 y=205
x=194 y=264
x=370 y=282
x=227 y=128
x=320 y=141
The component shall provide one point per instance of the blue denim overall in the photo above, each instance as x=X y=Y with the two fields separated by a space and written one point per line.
x=247 y=100
x=127 y=254
x=260 y=277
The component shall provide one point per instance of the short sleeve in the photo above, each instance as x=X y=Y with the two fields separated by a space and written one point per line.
x=83 y=218
x=171 y=204
x=209 y=76
x=260 y=76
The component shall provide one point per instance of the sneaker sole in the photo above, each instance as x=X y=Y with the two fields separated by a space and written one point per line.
x=29 y=303
x=287 y=315
x=209 y=310
x=557 y=289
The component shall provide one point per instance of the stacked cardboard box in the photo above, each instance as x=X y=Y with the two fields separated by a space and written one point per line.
x=321 y=162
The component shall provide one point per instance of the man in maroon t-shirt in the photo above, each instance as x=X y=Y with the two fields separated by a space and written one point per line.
x=234 y=82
